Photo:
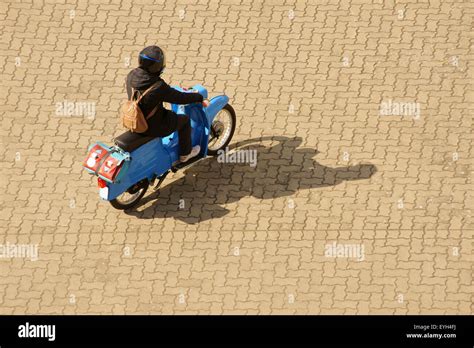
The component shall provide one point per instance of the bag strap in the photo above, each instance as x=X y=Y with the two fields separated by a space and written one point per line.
x=147 y=90
x=152 y=112
x=133 y=94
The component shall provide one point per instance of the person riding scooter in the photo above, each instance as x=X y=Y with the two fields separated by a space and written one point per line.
x=151 y=64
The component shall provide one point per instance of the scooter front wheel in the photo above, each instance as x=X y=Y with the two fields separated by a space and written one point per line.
x=222 y=130
x=131 y=197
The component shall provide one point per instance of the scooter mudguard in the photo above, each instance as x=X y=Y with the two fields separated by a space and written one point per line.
x=215 y=105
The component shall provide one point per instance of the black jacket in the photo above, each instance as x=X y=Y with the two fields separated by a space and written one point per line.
x=163 y=122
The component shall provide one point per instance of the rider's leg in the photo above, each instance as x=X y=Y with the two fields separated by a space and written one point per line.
x=184 y=138
x=184 y=135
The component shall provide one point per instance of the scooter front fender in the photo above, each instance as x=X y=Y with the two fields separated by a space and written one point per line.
x=215 y=105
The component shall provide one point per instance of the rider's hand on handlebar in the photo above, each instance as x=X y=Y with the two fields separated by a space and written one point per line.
x=205 y=103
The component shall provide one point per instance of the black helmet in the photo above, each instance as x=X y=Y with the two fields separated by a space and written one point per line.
x=152 y=59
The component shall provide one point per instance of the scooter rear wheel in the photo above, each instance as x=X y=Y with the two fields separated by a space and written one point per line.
x=131 y=197
x=222 y=130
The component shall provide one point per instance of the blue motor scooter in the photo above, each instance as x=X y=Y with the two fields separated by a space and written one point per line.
x=135 y=162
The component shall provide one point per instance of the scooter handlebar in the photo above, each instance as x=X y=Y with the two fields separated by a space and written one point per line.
x=205 y=101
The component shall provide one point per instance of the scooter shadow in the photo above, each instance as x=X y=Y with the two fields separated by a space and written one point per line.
x=281 y=170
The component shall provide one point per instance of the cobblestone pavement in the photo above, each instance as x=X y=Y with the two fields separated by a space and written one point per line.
x=361 y=198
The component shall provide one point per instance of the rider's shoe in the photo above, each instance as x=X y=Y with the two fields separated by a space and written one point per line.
x=194 y=152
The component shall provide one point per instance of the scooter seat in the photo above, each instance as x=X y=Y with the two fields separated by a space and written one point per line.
x=129 y=141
